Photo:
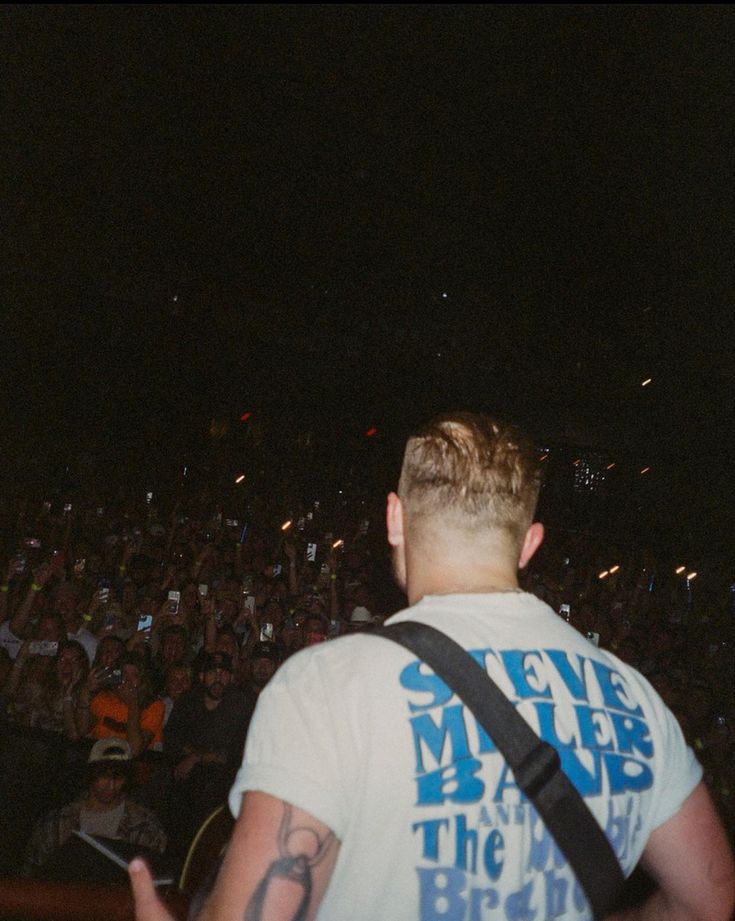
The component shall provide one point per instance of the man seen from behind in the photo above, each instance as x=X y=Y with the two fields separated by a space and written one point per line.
x=367 y=789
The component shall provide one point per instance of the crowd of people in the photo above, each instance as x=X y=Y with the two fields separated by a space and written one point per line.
x=158 y=631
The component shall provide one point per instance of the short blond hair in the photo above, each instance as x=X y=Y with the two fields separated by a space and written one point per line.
x=471 y=472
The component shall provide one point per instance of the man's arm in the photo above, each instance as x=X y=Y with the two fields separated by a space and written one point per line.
x=277 y=868
x=19 y=621
x=690 y=859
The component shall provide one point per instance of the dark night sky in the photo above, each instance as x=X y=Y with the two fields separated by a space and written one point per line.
x=210 y=209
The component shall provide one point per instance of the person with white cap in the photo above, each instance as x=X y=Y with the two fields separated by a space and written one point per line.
x=104 y=809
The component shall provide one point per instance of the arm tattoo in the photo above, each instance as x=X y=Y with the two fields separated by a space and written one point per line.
x=287 y=881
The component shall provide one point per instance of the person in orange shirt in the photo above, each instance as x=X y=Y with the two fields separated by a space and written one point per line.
x=122 y=706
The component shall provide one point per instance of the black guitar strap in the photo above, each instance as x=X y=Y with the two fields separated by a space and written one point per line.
x=535 y=764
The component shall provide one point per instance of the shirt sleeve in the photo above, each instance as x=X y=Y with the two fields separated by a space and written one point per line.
x=290 y=751
x=677 y=770
x=680 y=773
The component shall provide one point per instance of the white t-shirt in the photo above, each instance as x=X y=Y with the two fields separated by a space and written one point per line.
x=364 y=737
x=104 y=823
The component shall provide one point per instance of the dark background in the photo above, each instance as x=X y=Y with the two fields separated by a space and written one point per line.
x=340 y=217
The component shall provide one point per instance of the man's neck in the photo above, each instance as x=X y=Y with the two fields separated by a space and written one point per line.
x=452 y=576
x=414 y=596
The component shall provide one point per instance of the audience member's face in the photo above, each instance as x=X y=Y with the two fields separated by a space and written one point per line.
x=314 y=631
x=109 y=652
x=66 y=607
x=262 y=670
x=178 y=680
x=70 y=664
x=131 y=677
x=108 y=789
x=216 y=681
x=227 y=643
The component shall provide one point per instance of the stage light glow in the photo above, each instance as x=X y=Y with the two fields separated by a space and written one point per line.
x=610 y=466
x=337 y=544
x=286 y=525
x=371 y=431
x=245 y=416
x=691 y=575
x=614 y=569
x=646 y=382
x=240 y=478
x=604 y=574
x=645 y=470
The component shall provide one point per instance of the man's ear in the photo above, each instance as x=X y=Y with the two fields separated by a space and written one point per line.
x=394 y=520
x=531 y=542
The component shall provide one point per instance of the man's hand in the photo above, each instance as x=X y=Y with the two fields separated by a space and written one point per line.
x=148 y=907
x=96 y=602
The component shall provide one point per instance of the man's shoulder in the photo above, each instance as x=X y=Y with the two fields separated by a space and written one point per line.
x=339 y=663
x=354 y=648
x=355 y=644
